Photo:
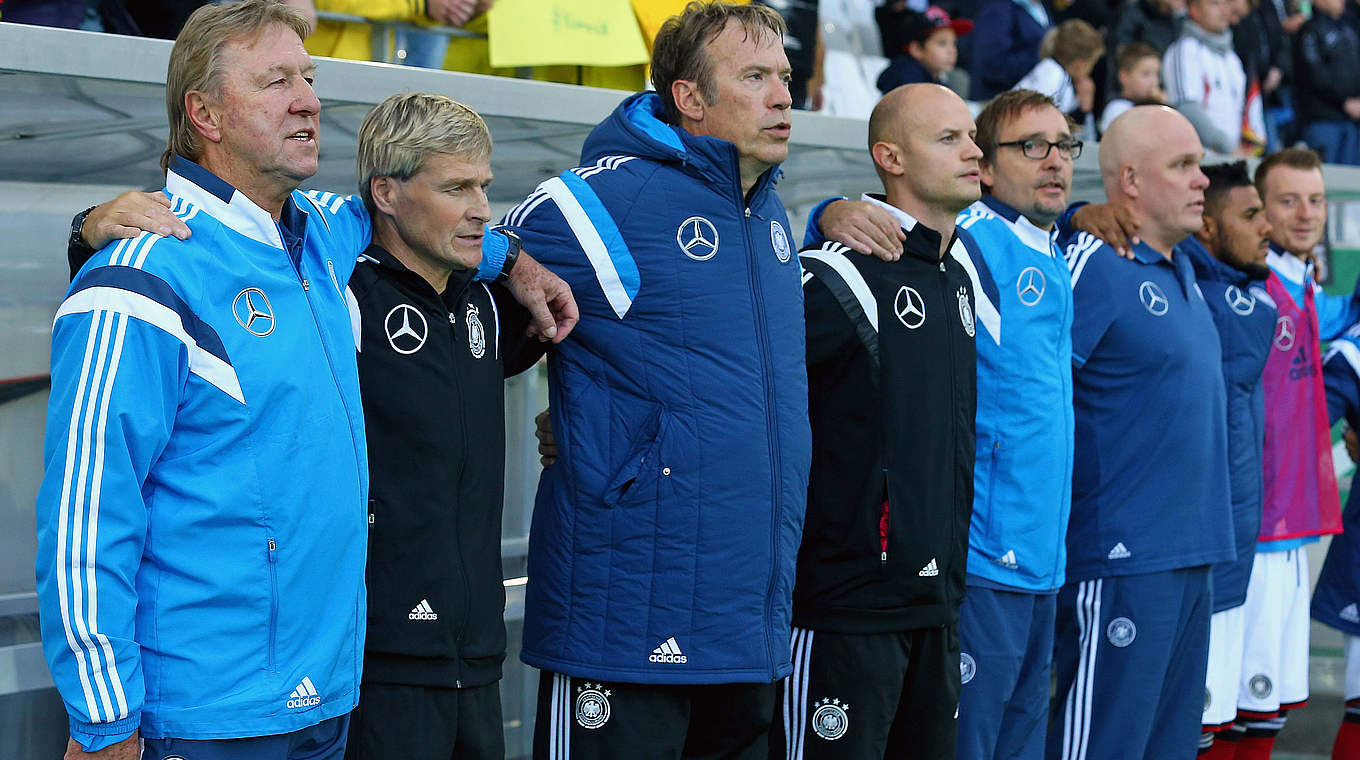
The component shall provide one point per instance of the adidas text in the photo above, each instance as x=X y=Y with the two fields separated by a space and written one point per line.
x=669 y=652
x=423 y=611
x=930 y=570
x=1119 y=552
x=304 y=695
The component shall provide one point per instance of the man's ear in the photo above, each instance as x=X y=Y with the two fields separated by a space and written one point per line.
x=383 y=190
x=888 y=157
x=1208 y=234
x=1128 y=180
x=985 y=175
x=203 y=116
x=689 y=101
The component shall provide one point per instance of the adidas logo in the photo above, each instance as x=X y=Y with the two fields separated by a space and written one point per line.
x=1119 y=552
x=1350 y=613
x=930 y=570
x=1007 y=561
x=669 y=651
x=423 y=611
x=304 y=695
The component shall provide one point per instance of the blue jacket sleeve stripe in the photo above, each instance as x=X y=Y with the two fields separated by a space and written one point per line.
x=146 y=297
x=599 y=237
x=79 y=518
x=1079 y=253
x=987 y=312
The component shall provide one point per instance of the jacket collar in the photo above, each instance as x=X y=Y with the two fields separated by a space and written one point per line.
x=1208 y=267
x=385 y=259
x=226 y=204
x=922 y=241
x=1039 y=239
x=1288 y=266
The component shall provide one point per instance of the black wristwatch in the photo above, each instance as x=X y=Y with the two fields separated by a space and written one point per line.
x=511 y=253
x=77 y=240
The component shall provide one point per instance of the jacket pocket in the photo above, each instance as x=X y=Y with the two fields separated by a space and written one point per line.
x=272 y=551
x=636 y=479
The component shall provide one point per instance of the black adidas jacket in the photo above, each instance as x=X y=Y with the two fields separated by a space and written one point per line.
x=892 y=407
x=432 y=371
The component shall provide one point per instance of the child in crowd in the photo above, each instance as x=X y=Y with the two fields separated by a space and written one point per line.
x=1140 y=81
x=1067 y=56
x=927 y=50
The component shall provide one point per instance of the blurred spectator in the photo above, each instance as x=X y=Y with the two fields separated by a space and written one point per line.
x=1006 y=43
x=926 y=50
x=1327 y=88
x=1155 y=23
x=1204 y=77
x=1139 y=73
x=804 y=47
x=1069 y=54
x=355 y=41
x=102 y=16
x=1253 y=49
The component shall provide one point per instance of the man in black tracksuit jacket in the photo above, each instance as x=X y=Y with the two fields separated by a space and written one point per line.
x=434 y=348
x=892 y=372
x=1327 y=83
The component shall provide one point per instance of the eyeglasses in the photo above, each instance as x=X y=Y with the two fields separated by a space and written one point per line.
x=1038 y=149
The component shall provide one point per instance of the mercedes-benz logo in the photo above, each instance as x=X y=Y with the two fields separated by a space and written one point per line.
x=1284 y=332
x=406 y=328
x=1154 y=300
x=1241 y=303
x=1030 y=286
x=698 y=238
x=253 y=312
x=909 y=307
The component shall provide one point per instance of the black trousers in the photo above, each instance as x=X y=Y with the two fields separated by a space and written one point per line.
x=870 y=696
x=426 y=723
x=585 y=719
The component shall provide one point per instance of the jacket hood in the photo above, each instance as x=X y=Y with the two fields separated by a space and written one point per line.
x=636 y=128
x=1209 y=268
x=1220 y=43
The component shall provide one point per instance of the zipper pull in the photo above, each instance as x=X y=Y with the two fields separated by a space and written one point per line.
x=748 y=212
x=883 y=558
x=306 y=285
x=941 y=266
x=272 y=547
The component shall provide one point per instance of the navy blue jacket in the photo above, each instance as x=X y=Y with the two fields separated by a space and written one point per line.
x=1245 y=316
x=663 y=540
x=1337 y=596
x=903 y=69
x=1005 y=47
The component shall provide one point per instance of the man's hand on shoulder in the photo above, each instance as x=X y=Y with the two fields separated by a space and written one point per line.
x=552 y=307
x=1114 y=225
x=128 y=216
x=864 y=227
x=128 y=749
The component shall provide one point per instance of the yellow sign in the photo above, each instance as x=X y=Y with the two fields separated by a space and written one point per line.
x=578 y=32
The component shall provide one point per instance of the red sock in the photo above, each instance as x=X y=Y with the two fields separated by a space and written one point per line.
x=1255 y=748
x=1220 y=750
x=1347 y=745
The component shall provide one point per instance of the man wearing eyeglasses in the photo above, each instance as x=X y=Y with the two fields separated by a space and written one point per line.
x=1022 y=480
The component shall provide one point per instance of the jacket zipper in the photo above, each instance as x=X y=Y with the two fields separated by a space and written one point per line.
x=954 y=411
x=753 y=267
x=462 y=301
x=883 y=534
x=272 y=555
x=359 y=623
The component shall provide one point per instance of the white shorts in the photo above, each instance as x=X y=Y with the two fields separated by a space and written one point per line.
x=1274 y=675
x=1352 y=685
x=1227 y=634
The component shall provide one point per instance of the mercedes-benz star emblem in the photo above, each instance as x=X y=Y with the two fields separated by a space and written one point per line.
x=406 y=328
x=909 y=307
x=1030 y=286
x=253 y=312
x=1284 y=332
x=1154 y=300
x=698 y=238
x=1241 y=303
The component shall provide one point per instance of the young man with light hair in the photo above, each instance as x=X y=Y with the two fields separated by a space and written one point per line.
x=435 y=346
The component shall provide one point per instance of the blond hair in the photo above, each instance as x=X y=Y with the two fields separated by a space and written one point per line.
x=680 y=51
x=1072 y=40
x=196 y=59
x=401 y=132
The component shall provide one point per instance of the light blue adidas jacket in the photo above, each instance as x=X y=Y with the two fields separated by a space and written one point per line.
x=1022 y=480
x=202 y=519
